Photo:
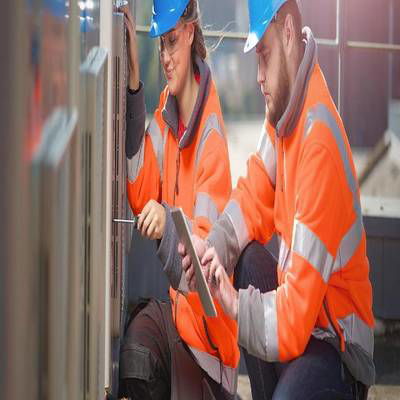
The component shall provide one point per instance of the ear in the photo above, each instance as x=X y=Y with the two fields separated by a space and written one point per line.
x=190 y=30
x=288 y=33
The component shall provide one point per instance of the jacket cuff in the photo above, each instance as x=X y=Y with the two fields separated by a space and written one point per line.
x=251 y=322
x=223 y=238
x=168 y=254
x=135 y=120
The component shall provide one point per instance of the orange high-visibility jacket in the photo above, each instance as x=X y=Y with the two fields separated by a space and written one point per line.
x=301 y=184
x=192 y=173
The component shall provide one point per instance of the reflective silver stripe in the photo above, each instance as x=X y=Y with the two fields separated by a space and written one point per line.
x=266 y=151
x=135 y=164
x=357 y=331
x=216 y=369
x=234 y=213
x=271 y=325
x=321 y=113
x=212 y=124
x=285 y=255
x=351 y=240
x=205 y=207
x=309 y=246
x=349 y=244
x=157 y=141
x=323 y=334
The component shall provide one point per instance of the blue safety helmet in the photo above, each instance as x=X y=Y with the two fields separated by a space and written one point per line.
x=58 y=8
x=261 y=13
x=166 y=14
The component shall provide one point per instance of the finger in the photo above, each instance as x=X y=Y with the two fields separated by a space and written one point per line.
x=206 y=271
x=128 y=26
x=213 y=268
x=146 y=222
x=125 y=9
x=219 y=275
x=208 y=256
x=186 y=262
x=181 y=249
x=141 y=218
x=190 y=279
x=150 y=232
x=143 y=215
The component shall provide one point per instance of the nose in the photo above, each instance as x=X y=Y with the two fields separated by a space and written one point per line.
x=165 y=59
x=261 y=71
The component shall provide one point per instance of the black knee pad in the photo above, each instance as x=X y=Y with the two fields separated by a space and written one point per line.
x=140 y=374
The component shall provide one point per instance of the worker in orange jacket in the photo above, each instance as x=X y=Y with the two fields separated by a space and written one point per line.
x=181 y=159
x=305 y=321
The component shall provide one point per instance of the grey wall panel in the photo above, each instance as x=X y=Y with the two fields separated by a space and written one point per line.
x=391 y=278
x=383 y=249
x=375 y=256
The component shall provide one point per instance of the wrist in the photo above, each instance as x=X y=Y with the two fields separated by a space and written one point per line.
x=235 y=305
x=134 y=85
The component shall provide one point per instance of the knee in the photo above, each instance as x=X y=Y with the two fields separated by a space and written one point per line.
x=141 y=375
x=141 y=389
x=257 y=267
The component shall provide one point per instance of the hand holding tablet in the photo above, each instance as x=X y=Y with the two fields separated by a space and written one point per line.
x=201 y=284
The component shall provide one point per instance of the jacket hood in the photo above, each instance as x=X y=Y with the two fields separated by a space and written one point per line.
x=290 y=117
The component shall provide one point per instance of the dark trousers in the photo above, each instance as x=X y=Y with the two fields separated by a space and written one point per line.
x=317 y=374
x=156 y=364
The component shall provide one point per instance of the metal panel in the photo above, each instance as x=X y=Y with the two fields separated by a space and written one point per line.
x=382 y=225
x=53 y=168
x=121 y=233
x=391 y=278
x=375 y=257
x=95 y=71
x=18 y=273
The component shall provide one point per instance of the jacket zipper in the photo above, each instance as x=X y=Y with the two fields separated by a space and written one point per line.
x=283 y=165
x=178 y=162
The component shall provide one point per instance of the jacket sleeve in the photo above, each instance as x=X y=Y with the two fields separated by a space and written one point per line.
x=212 y=190
x=249 y=214
x=277 y=325
x=144 y=153
x=135 y=120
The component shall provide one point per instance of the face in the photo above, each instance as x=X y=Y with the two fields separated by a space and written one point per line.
x=272 y=74
x=175 y=55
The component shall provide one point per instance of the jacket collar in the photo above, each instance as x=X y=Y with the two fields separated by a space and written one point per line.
x=290 y=117
x=170 y=112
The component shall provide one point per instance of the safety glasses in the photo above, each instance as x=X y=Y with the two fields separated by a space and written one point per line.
x=169 y=42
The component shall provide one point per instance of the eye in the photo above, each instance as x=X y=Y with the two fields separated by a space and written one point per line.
x=172 y=40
